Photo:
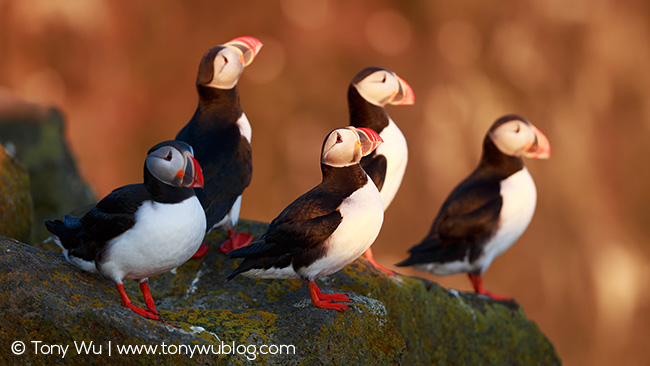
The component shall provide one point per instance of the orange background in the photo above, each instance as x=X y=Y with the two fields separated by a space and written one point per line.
x=123 y=74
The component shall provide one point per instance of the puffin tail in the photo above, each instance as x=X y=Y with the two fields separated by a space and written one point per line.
x=425 y=252
x=65 y=230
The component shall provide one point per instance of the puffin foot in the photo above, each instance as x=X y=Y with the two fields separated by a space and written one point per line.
x=477 y=282
x=201 y=251
x=235 y=240
x=370 y=258
x=146 y=313
x=325 y=300
x=495 y=296
x=148 y=300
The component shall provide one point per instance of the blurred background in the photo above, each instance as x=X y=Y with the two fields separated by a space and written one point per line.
x=123 y=73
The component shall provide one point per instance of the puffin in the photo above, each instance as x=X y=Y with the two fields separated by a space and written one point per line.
x=489 y=210
x=140 y=230
x=326 y=228
x=220 y=134
x=369 y=92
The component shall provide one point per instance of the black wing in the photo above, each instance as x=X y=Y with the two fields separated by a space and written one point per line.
x=467 y=219
x=84 y=237
x=304 y=224
x=115 y=213
x=375 y=166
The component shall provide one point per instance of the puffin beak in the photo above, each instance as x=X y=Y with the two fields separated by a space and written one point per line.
x=404 y=95
x=541 y=149
x=193 y=175
x=248 y=46
x=368 y=139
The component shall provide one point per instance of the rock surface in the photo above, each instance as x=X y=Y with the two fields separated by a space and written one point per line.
x=393 y=321
x=34 y=135
x=15 y=200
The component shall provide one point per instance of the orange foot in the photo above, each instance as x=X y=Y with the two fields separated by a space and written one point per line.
x=325 y=300
x=147 y=313
x=201 y=251
x=235 y=240
x=477 y=282
x=371 y=259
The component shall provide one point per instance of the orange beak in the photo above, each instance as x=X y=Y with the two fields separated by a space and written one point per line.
x=369 y=139
x=248 y=46
x=541 y=149
x=405 y=95
x=192 y=175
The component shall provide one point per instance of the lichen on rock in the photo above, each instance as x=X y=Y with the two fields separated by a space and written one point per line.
x=393 y=320
x=16 y=209
x=35 y=135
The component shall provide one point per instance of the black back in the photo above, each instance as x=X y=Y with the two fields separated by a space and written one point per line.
x=296 y=236
x=469 y=216
x=224 y=154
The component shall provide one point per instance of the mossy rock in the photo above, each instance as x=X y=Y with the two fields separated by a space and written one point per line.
x=35 y=136
x=16 y=210
x=393 y=320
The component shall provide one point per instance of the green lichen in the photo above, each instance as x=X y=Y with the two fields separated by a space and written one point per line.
x=16 y=208
x=393 y=320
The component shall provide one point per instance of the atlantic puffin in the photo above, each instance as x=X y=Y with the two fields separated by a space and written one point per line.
x=326 y=228
x=140 y=230
x=220 y=134
x=488 y=211
x=369 y=92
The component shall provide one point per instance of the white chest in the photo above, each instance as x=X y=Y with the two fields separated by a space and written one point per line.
x=363 y=215
x=164 y=237
x=245 y=128
x=395 y=150
x=519 y=199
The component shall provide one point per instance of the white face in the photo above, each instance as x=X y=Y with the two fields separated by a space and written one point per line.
x=520 y=138
x=342 y=148
x=346 y=146
x=228 y=67
x=379 y=88
x=173 y=167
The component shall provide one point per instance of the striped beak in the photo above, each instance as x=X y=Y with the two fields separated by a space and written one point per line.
x=369 y=139
x=248 y=47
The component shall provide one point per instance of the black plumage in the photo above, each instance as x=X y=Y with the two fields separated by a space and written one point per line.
x=297 y=235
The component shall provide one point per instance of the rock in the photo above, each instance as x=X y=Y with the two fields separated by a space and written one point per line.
x=15 y=200
x=393 y=321
x=34 y=135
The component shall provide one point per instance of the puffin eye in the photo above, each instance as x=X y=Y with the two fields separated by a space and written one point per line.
x=518 y=129
x=384 y=79
x=338 y=138
x=169 y=156
x=225 y=59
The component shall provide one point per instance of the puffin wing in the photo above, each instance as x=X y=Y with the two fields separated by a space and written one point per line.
x=466 y=221
x=306 y=223
x=375 y=166
x=115 y=213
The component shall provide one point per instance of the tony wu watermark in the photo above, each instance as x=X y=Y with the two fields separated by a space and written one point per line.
x=109 y=349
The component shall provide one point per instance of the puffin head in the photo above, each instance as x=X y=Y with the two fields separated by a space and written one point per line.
x=221 y=66
x=172 y=162
x=515 y=136
x=346 y=146
x=380 y=87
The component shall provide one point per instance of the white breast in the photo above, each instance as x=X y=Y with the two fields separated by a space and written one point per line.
x=163 y=237
x=245 y=128
x=395 y=150
x=363 y=215
x=519 y=199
